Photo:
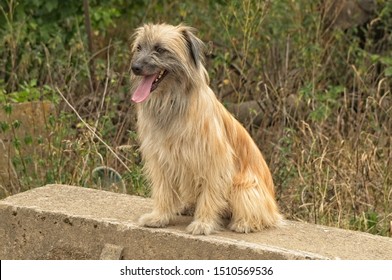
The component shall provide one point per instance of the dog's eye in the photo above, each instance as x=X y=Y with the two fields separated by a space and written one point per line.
x=138 y=48
x=159 y=49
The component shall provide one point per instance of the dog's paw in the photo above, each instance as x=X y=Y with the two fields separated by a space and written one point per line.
x=198 y=228
x=153 y=220
x=241 y=227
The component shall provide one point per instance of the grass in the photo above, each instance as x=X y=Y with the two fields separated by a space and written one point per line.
x=324 y=95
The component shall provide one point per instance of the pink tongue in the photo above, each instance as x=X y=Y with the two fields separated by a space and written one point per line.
x=144 y=89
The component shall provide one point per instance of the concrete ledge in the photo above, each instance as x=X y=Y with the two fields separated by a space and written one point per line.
x=66 y=222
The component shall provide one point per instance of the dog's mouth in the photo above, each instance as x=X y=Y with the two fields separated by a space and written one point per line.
x=148 y=84
x=158 y=79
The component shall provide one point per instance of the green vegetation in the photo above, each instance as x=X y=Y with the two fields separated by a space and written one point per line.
x=324 y=93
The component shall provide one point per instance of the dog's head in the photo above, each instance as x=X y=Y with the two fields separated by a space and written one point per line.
x=165 y=56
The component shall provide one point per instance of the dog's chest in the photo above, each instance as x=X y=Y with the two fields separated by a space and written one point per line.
x=179 y=144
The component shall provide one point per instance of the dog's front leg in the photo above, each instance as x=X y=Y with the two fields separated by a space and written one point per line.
x=207 y=218
x=166 y=205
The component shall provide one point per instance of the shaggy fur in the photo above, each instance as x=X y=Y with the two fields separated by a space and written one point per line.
x=196 y=155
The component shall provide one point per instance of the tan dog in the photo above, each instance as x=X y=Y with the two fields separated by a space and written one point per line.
x=195 y=153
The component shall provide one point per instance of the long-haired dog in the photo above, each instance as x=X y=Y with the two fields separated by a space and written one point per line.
x=195 y=153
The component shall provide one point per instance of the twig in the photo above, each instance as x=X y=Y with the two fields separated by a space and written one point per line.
x=93 y=131
x=87 y=24
x=105 y=89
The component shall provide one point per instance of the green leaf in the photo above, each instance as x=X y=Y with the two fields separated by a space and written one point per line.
x=386 y=60
x=28 y=140
x=16 y=143
x=4 y=126
x=388 y=72
x=7 y=109
x=16 y=124
x=51 y=5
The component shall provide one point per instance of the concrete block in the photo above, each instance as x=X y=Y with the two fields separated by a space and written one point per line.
x=67 y=222
x=111 y=252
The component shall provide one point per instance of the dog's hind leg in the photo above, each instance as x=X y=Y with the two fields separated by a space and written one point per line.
x=253 y=207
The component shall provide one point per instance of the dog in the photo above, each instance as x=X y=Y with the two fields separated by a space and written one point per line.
x=196 y=154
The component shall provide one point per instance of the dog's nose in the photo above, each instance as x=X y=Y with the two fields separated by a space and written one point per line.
x=136 y=69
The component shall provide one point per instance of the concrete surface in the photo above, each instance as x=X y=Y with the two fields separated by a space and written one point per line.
x=66 y=222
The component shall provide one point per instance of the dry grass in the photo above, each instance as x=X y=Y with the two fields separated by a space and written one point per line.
x=326 y=111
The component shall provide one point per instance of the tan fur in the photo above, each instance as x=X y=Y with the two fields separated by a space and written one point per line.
x=195 y=153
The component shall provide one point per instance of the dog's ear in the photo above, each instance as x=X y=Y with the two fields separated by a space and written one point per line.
x=195 y=45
